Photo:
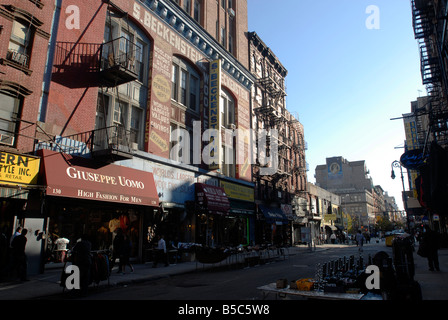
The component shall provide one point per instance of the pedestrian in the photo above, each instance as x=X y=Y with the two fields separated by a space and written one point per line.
x=360 y=240
x=431 y=244
x=16 y=233
x=333 y=238
x=117 y=249
x=125 y=253
x=160 y=252
x=19 y=259
x=82 y=258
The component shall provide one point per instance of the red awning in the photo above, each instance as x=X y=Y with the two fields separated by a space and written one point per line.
x=212 y=198
x=81 y=178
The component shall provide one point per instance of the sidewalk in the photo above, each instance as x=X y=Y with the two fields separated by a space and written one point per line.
x=434 y=284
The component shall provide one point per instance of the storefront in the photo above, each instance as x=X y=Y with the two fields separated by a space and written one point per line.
x=240 y=224
x=85 y=197
x=19 y=195
x=212 y=208
x=274 y=225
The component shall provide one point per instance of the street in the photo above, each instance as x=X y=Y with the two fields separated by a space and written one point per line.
x=233 y=284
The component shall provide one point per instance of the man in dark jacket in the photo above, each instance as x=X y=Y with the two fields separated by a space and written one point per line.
x=430 y=240
x=18 y=254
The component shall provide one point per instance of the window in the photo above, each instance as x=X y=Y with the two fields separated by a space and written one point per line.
x=197 y=11
x=120 y=112
x=139 y=64
x=227 y=110
x=9 y=116
x=175 y=82
x=223 y=37
x=136 y=124
x=231 y=32
x=228 y=167
x=180 y=149
x=125 y=107
x=187 y=6
x=223 y=4
x=19 y=48
x=185 y=84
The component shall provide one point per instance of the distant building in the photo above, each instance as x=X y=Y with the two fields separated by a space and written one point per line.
x=351 y=181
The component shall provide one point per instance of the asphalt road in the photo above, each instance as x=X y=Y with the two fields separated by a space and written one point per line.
x=232 y=284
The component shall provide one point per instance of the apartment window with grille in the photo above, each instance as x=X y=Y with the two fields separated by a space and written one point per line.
x=9 y=116
x=185 y=84
x=20 y=43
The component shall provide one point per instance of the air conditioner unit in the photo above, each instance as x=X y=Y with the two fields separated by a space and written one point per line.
x=6 y=139
x=231 y=126
x=232 y=13
x=134 y=146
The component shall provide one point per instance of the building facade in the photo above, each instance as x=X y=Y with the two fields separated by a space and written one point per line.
x=279 y=174
x=130 y=109
x=25 y=30
x=430 y=116
x=350 y=180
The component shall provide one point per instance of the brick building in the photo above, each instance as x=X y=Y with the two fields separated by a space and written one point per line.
x=25 y=29
x=133 y=111
x=281 y=195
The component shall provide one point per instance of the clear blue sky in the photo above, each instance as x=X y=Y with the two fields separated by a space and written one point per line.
x=346 y=81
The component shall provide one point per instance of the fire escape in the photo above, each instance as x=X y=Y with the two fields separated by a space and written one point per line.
x=84 y=65
x=427 y=22
x=271 y=113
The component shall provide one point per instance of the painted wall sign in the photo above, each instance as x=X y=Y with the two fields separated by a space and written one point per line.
x=18 y=169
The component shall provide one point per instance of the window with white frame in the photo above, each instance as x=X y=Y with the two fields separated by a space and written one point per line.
x=227 y=110
x=185 y=84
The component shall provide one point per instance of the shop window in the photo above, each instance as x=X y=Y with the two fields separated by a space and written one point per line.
x=20 y=44
x=9 y=118
x=185 y=84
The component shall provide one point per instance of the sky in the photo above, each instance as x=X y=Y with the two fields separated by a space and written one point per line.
x=346 y=81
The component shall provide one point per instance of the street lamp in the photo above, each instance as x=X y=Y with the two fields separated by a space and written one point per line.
x=397 y=164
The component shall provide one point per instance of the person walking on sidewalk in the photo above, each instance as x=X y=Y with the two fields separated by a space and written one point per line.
x=360 y=240
x=160 y=252
x=431 y=244
x=18 y=254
